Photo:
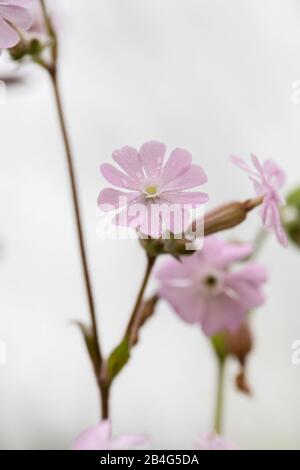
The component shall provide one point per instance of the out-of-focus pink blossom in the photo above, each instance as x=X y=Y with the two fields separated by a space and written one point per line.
x=213 y=441
x=100 y=438
x=203 y=288
x=38 y=26
x=268 y=179
x=149 y=182
x=14 y=15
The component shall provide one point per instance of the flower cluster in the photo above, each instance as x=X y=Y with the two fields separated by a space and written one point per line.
x=215 y=287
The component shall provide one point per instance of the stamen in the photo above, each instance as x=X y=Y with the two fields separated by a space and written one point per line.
x=150 y=191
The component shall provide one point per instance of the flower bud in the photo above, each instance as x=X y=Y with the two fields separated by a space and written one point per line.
x=239 y=344
x=291 y=216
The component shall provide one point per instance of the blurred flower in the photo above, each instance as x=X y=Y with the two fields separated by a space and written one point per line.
x=99 y=438
x=38 y=26
x=268 y=180
x=213 y=442
x=152 y=184
x=202 y=289
x=13 y=16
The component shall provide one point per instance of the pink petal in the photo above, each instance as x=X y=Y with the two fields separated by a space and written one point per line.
x=17 y=2
x=222 y=313
x=19 y=16
x=133 y=214
x=95 y=438
x=279 y=230
x=241 y=163
x=118 y=178
x=220 y=253
x=247 y=284
x=185 y=301
x=214 y=442
x=171 y=269
x=130 y=441
x=254 y=273
x=152 y=156
x=178 y=163
x=151 y=224
x=110 y=199
x=189 y=198
x=192 y=177
x=257 y=165
x=176 y=219
x=130 y=162
x=8 y=36
x=274 y=174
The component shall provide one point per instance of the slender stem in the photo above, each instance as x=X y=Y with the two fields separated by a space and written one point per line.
x=259 y=241
x=133 y=322
x=218 y=418
x=105 y=398
x=74 y=192
x=131 y=334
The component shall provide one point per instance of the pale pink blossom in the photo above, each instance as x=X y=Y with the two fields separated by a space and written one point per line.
x=204 y=289
x=14 y=16
x=268 y=179
x=99 y=438
x=213 y=441
x=148 y=182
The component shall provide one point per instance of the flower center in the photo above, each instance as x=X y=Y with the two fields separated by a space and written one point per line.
x=210 y=281
x=151 y=191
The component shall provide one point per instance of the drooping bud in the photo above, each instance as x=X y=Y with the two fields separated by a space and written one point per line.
x=239 y=344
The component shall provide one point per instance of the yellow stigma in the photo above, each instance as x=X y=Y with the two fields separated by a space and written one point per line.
x=151 y=191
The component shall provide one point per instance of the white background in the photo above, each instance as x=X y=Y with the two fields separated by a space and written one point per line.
x=214 y=77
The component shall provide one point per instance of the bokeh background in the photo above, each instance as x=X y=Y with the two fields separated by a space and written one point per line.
x=214 y=77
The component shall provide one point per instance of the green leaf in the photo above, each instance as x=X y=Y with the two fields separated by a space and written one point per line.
x=91 y=345
x=118 y=359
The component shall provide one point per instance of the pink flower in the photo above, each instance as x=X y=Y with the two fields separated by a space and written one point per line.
x=214 y=442
x=13 y=13
x=268 y=179
x=99 y=438
x=202 y=289
x=150 y=183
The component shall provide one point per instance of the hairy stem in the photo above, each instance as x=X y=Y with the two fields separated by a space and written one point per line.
x=78 y=220
x=134 y=319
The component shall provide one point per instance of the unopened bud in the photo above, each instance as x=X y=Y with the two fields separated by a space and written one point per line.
x=239 y=344
x=291 y=216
